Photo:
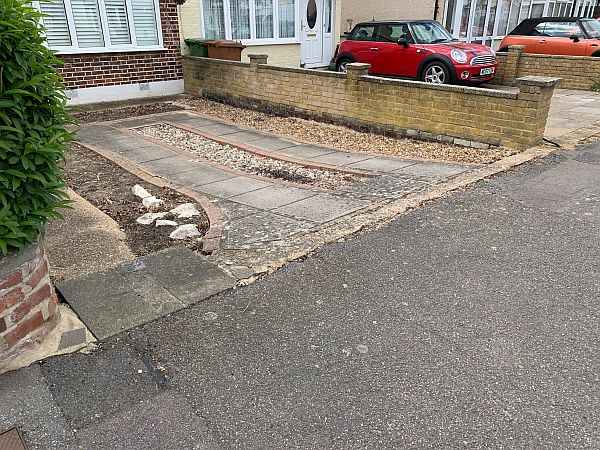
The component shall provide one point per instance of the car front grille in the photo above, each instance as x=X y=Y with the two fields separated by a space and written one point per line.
x=483 y=60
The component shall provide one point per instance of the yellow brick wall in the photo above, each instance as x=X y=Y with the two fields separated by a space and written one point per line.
x=576 y=72
x=447 y=113
x=287 y=55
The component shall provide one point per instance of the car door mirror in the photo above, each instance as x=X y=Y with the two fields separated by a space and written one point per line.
x=403 y=42
x=574 y=38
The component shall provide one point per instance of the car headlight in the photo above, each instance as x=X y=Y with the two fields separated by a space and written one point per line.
x=459 y=56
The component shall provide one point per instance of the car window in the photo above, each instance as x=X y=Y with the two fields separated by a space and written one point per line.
x=561 y=29
x=592 y=28
x=391 y=33
x=363 y=33
x=538 y=30
x=430 y=33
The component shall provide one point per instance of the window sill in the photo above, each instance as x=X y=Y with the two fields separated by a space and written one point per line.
x=256 y=43
x=85 y=51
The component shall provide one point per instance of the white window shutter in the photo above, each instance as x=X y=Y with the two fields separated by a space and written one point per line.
x=88 y=28
x=55 y=21
x=144 y=18
x=118 y=26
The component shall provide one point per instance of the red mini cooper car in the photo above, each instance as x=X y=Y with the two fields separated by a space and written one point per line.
x=420 y=49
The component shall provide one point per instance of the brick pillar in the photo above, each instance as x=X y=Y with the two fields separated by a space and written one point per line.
x=255 y=60
x=356 y=70
x=513 y=61
x=535 y=95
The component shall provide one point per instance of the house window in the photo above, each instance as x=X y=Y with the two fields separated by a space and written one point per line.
x=250 y=20
x=87 y=26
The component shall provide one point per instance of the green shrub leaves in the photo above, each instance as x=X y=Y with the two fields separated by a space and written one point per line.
x=33 y=137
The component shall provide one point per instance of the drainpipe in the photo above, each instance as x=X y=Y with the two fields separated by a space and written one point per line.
x=436 y=9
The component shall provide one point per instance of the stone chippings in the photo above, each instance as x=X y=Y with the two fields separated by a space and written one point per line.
x=248 y=162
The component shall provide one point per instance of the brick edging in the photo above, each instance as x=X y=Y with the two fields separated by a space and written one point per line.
x=211 y=241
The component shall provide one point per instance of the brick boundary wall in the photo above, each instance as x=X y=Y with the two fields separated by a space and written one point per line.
x=85 y=70
x=576 y=72
x=28 y=302
x=454 y=114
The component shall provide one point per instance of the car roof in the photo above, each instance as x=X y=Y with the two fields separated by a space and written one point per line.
x=527 y=25
x=388 y=22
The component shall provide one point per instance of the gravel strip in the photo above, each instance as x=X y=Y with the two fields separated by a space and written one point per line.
x=235 y=158
x=343 y=138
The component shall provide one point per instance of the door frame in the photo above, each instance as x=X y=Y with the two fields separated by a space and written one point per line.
x=324 y=52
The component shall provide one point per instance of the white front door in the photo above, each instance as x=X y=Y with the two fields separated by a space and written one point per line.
x=316 y=32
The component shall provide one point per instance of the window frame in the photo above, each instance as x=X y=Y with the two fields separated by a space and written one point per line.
x=252 y=11
x=108 y=47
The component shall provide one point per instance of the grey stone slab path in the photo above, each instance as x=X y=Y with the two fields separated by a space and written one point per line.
x=139 y=291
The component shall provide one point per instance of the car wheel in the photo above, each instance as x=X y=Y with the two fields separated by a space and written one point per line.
x=342 y=63
x=436 y=73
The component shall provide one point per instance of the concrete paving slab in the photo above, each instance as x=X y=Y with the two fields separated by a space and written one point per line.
x=245 y=137
x=262 y=227
x=233 y=186
x=322 y=208
x=306 y=151
x=384 y=186
x=273 y=197
x=137 y=122
x=91 y=387
x=200 y=174
x=196 y=122
x=341 y=158
x=220 y=129
x=143 y=154
x=383 y=165
x=235 y=210
x=433 y=170
x=94 y=133
x=26 y=401
x=161 y=422
x=170 y=166
x=273 y=143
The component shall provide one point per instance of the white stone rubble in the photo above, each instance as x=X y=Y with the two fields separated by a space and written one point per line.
x=185 y=231
x=186 y=211
x=166 y=223
x=152 y=202
x=148 y=218
x=140 y=192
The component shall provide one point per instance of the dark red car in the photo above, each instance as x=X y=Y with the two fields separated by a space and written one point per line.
x=419 y=49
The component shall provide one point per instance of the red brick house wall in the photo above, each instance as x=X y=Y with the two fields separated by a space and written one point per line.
x=112 y=68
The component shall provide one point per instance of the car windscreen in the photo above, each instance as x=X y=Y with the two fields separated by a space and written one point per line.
x=430 y=33
x=591 y=27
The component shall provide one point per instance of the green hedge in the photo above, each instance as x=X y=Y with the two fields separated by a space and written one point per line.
x=33 y=138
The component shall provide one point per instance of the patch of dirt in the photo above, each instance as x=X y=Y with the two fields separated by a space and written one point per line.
x=343 y=138
x=107 y=186
x=101 y=115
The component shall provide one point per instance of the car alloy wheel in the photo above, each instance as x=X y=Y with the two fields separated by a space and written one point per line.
x=342 y=67
x=435 y=74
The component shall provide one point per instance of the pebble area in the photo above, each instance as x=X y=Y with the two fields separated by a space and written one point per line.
x=235 y=158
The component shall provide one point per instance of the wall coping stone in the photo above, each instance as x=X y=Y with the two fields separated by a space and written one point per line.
x=533 y=80
x=559 y=57
x=16 y=259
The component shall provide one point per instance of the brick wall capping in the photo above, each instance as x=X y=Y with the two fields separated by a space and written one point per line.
x=15 y=259
x=358 y=66
x=533 y=80
x=441 y=87
x=257 y=56
x=516 y=48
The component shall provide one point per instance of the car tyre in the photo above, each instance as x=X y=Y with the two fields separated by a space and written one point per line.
x=436 y=73
x=342 y=63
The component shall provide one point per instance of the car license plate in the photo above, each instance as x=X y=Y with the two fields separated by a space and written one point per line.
x=488 y=71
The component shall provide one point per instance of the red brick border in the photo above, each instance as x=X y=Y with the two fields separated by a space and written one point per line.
x=211 y=241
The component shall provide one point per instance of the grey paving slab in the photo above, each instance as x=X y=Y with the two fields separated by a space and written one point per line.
x=123 y=145
x=137 y=122
x=161 y=422
x=261 y=227
x=139 y=291
x=245 y=137
x=200 y=174
x=150 y=152
x=220 y=129
x=273 y=143
x=383 y=165
x=26 y=401
x=305 y=151
x=94 y=133
x=433 y=170
x=89 y=388
x=273 y=196
x=322 y=207
x=233 y=186
x=235 y=210
x=341 y=158
x=384 y=186
x=196 y=122
x=169 y=166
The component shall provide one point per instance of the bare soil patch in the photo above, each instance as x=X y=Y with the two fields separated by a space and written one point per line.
x=343 y=138
x=105 y=114
x=107 y=186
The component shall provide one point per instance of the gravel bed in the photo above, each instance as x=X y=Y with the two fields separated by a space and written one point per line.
x=235 y=158
x=343 y=138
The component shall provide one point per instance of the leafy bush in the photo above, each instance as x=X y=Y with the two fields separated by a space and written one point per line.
x=595 y=87
x=33 y=138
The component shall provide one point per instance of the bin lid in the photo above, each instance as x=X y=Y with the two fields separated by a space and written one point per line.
x=197 y=41
x=233 y=44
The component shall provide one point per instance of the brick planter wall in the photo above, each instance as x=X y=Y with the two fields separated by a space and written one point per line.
x=115 y=68
x=576 y=72
x=456 y=114
x=28 y=309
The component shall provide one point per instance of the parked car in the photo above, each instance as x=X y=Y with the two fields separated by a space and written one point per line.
x=556 y=36
x=419 y=49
